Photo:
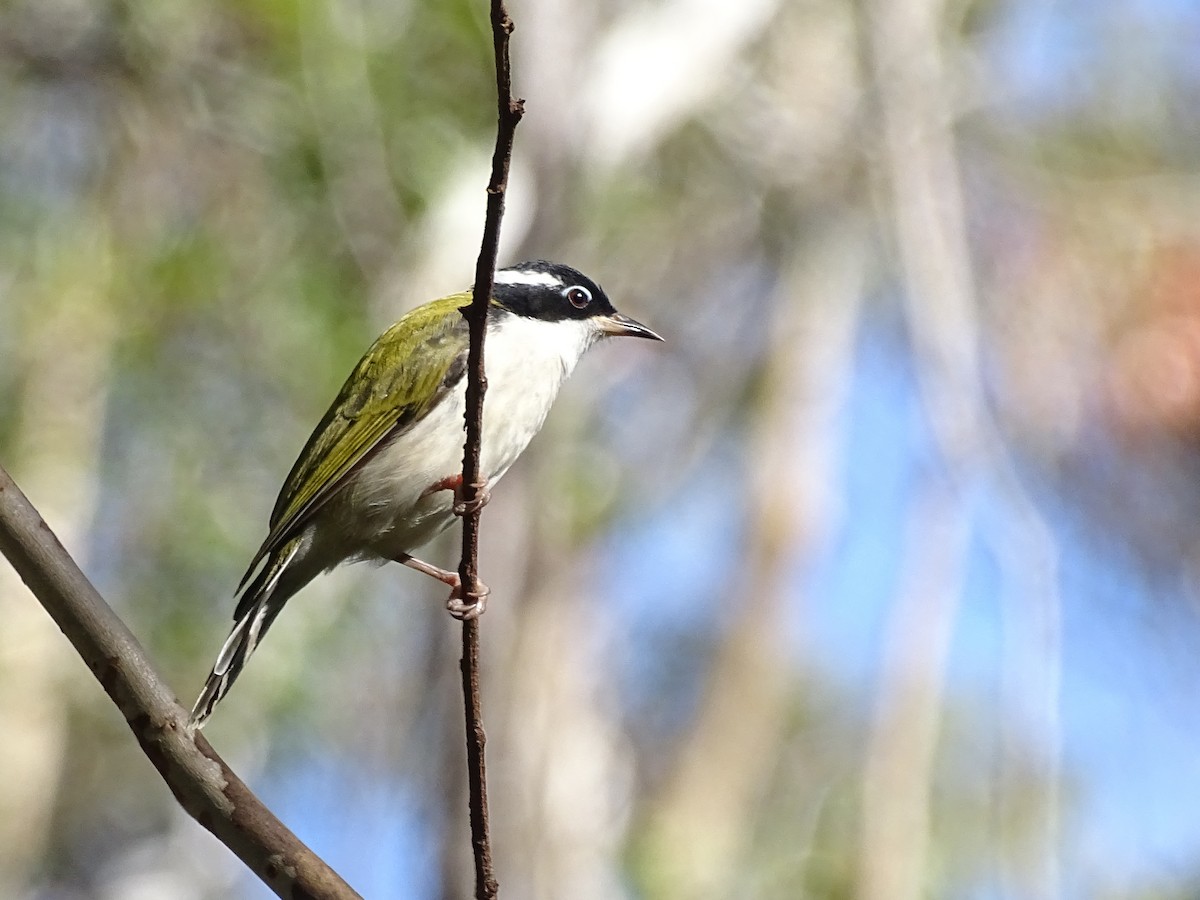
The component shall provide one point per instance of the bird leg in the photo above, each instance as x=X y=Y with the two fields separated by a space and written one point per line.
x=462 y=507
x=445 y=576
x=460 y=604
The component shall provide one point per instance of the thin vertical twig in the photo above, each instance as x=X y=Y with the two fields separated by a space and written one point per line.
x=509 y=114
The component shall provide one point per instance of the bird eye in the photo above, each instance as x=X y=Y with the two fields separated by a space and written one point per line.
x=579 y=296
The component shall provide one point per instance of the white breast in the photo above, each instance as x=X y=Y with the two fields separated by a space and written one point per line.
x=526 y=361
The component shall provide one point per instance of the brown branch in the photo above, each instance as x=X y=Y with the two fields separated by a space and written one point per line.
x=509 y=114
x=200 y=780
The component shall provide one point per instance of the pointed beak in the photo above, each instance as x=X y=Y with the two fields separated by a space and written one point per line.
x=618 y=325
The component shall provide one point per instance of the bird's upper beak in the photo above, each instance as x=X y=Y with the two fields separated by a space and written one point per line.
x=619 y=325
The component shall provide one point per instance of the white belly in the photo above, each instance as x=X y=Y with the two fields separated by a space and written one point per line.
x=389 y=510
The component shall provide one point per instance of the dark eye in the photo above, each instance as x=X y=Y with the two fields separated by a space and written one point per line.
x=579 y=296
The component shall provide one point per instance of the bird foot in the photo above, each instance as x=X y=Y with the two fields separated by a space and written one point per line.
x=461 y=604
x=462 y=506
x=465 y=605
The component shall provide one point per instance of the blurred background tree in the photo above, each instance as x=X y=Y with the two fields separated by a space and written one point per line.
x=880 y=580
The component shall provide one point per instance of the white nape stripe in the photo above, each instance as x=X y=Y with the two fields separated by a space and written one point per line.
x=527 y=276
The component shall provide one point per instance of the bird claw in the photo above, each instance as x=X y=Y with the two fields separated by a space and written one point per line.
x=466 y=605
x=463 y=507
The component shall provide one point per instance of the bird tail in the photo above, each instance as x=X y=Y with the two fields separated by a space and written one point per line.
x=260 y=602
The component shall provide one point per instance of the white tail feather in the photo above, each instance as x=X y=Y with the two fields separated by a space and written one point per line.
x=247 y=631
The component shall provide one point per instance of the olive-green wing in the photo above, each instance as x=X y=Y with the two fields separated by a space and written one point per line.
x=379 y=398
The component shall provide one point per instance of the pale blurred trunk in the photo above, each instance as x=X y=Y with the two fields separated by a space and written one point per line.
x=66 y=340
x=702 y=823
x=568 y=767
x=921 y=169
x=903 y=743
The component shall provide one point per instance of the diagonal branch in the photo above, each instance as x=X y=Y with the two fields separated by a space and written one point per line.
x=200 y=780
x=509 y=114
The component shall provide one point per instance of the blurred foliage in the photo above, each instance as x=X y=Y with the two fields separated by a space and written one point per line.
x=207 y=211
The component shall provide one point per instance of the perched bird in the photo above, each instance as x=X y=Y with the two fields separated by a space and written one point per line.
x=381 y=474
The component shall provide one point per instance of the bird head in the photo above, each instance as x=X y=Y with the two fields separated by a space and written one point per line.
x=553 y=292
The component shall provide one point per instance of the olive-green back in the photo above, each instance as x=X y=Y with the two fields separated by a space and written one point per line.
x=404 y=375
